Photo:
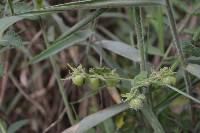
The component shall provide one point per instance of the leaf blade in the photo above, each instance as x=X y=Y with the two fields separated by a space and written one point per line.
x=60 y=45
x=120 y=48
x=96 y=118
x=194 y=69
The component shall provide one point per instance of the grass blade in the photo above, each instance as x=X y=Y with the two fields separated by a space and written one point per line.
x=194 y=69
x=120 y=48
x=8 y=21
x=183 y=93
x=96 y=118
x=17 y=125
x=93 y=4
x=60 y=45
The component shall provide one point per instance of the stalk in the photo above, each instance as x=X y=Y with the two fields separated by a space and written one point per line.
x=180 y=51
x=10 y=6
x=59 y=82
x=147 y=109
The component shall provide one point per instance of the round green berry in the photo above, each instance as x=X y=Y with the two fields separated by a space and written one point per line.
x=94 y=83
x=78 y=80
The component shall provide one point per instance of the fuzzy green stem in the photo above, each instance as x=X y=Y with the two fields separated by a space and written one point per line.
x=179 y=49
x=140 y=38
x=147 y=109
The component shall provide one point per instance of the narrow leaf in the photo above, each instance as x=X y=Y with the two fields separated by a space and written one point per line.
x=94 y=4
x=8 y=21
x=183 y=93
x=120 y=48
x=96 y=118
x=61 y=45
x=17 y=125
x=194 y=69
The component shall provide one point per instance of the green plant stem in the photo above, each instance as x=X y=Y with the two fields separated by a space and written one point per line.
x=60 y=84
x=11 y=6
x=140 y=38
x=147 y=109
x=179 y=49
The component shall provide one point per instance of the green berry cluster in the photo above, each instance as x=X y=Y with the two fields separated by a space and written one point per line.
x=99 y=76
x=135 y=99
x=95 y=77
x=162 y=77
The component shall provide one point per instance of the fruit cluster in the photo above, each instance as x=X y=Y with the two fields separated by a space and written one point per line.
x=95 y=78
x=100 y=76
x=135 y=99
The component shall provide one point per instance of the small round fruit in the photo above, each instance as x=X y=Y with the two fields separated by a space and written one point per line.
x=136 y=104
x=170 y=80
x=94 y=83
x=78 y=80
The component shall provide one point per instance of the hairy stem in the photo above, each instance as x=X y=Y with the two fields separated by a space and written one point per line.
x=179 y=49
x=147 y=110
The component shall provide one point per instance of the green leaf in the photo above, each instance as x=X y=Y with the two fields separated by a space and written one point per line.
x=120 y=48
x=16 y=126
x=8 y=21
x=94 y=4
x=154 y=51
x=84 y=4
x=2 y=126
x=61 y=45
x=109 y=126
x=96 y=118
x=11 y=38
x=190 y=49
x=20 y=7
x=194 y=69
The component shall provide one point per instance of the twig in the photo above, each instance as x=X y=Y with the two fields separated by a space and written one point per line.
x=37 y=105
x=55 y=122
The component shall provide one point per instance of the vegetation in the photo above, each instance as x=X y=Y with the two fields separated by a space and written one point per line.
x=99 y=66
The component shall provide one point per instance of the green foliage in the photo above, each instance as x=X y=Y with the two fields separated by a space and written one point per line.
x=190 y=49
x=1 y=70
x=20 y=7
x=11 y=39
x=2 y=126
x=13 y=128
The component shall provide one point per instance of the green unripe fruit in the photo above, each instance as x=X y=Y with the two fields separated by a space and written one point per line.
x=170 y=80
x=94 y=83
x=136 y=103
x=78 y=80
